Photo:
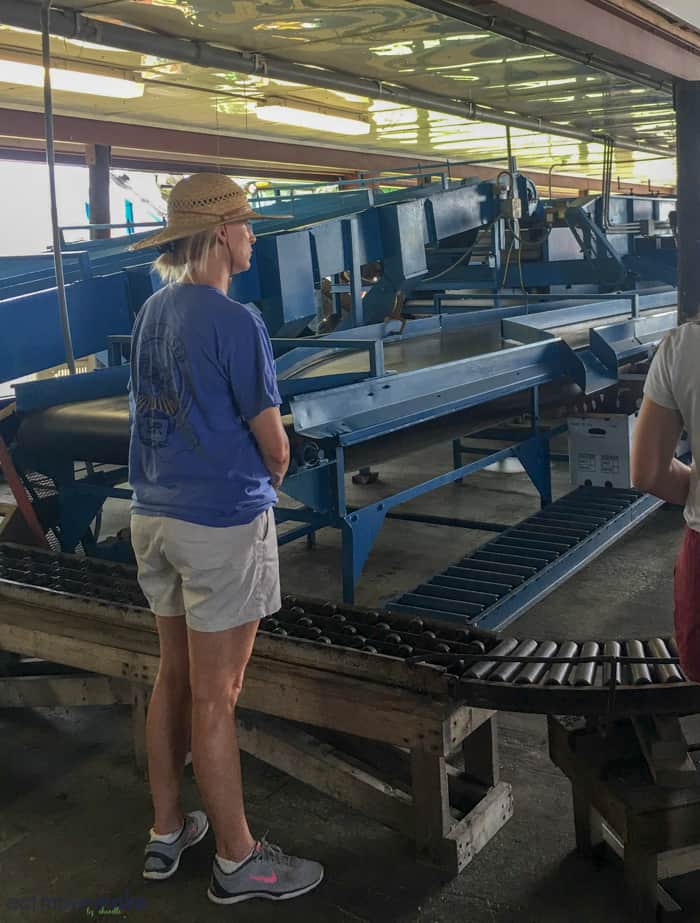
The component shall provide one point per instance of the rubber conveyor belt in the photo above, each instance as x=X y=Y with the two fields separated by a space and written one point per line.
x=497 y=582
x=98 y=430
x=476 y=667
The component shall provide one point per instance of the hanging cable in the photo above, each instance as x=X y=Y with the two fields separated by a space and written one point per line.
x=515 y=238
x=608 y=166
x=51 y=164
x=467 y=253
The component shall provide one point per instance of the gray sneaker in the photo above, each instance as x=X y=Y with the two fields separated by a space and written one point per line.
x=163 y=859
x=268 y=873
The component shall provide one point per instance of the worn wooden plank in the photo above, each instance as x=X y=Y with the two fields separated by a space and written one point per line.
x=65 y=624
x=588 y=824
x=477 y=828
x=666 y=751
x=62 y=691
x=42 y=642
x=676 y=862
x=480 y=748
x=323 y=767
x=431 y=800
x=391 y=763
x=299 y=693
x=348 y=705
x=344 y=661
x=462 y=721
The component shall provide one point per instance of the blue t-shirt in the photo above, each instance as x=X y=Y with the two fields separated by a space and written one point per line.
x=201 y=366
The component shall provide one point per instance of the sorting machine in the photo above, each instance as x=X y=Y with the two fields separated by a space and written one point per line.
x=389 y=379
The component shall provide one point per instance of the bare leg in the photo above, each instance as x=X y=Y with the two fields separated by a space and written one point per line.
x=217 y=667
x=168 y=724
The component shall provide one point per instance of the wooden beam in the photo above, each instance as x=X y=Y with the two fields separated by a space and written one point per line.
x=168 y=149
x=431 y=798
x=325 y=768
x=628 y=30
x=62 y=691
x=666 y=751
x=286 y=690
x=97 y=157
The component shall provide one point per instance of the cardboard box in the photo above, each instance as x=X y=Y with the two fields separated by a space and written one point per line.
x=599 y=449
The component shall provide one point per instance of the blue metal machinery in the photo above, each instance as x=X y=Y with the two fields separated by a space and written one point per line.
x=351 y=397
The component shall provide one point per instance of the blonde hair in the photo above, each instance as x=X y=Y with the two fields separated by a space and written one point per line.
x=186 y=256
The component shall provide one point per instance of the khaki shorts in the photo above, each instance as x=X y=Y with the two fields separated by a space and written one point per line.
x=217 y=577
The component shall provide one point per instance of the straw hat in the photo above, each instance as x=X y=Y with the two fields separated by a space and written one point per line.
x=200 y=202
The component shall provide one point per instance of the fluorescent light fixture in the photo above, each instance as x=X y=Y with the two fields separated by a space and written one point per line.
x=32 y=75
x=397 y=49
x=300 y=117
x=399 y=116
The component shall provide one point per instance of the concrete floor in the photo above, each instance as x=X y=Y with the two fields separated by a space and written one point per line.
x=73 y=814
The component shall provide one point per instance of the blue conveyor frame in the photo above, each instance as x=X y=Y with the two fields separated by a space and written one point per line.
x=368 y=410
x=341 y=412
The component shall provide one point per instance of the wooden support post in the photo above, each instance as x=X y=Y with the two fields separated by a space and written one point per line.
x=587 y=823
x=140 y=698
x=61 y=691
x=641 y=880
x=98 y=158
x=480 y=750
x=431 y=802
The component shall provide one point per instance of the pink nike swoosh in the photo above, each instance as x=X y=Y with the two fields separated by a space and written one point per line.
x=265 y=879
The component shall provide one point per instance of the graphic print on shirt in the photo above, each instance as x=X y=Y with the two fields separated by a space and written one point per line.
x=164 y=390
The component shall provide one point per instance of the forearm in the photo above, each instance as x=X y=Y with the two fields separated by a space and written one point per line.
x=272 y=442
x=277 y=465
x=671 y=485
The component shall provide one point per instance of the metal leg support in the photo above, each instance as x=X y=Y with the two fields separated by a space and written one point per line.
x=534 y=455
x=359 y=531
x=457 y=457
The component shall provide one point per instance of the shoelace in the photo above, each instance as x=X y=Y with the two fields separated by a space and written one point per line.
x=268 y=852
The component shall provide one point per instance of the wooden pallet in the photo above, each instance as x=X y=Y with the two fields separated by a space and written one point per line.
x=395 y=747
x=626 y=796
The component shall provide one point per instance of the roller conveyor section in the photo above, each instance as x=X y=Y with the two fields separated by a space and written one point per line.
x=595 y=677
x=498 y=581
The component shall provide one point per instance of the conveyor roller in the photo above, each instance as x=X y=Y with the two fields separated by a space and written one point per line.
x=480 y=668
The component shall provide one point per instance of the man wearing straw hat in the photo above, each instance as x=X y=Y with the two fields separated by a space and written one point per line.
x=208 y=449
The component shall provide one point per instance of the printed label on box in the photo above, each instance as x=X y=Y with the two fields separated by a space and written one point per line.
x=586 y=461
x=610 y=464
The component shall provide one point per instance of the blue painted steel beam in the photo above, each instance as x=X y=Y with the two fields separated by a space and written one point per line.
x=378 y=406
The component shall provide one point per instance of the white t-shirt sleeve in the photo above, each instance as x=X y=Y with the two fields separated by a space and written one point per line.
x=659 y=382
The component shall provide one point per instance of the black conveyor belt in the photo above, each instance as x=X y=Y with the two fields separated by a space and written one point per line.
x=94 y=431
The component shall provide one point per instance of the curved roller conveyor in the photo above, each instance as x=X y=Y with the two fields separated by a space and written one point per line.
x=586 y=677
